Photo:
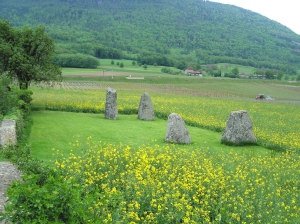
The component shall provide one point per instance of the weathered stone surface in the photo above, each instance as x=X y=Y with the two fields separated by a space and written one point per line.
x=238 y=128
x=146 y=111
x=111 y=107
x=8 y=133
x=176 y=130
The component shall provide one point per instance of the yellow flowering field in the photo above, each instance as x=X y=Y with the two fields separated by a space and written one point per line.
x=168 y=184
x=276 y=125
x=171 y=184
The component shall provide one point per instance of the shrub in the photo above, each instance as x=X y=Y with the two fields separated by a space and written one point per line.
x=45 y=196
x=8 y=96
x=215 y=73
x=171 y=72
x=30 y=203
x=24 y=100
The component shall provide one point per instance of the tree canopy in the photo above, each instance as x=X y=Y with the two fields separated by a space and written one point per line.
x=190 y=30
x=27 y=54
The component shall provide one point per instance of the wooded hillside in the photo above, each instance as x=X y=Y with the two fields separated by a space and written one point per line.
x=190 y=30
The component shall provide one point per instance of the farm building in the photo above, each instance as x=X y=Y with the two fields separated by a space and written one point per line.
x=243 y=74
x=192 y=72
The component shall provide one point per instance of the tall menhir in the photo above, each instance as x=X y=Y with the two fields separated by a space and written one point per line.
x=111 y=107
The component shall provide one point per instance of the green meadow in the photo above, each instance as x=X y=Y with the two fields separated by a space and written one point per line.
x=55 y=130
x=87 y=93
x=139 y=70
x=122 y=171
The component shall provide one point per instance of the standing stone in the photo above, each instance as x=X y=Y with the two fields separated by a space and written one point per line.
x=238 y=129
x=111 y=108
x=146 y=111
x=8 y=133
x=176 y=130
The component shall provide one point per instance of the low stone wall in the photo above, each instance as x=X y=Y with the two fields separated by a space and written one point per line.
x=8 y=133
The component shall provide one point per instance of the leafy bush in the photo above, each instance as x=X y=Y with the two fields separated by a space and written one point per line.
x=44 y=195
x=31 y=203
x=215 y=73
x=24 y=100
x=76 y=61
x=171 y=72
x=13 y=100
x=8 y=96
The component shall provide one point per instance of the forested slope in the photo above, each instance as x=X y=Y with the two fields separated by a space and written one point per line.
x=198 y=30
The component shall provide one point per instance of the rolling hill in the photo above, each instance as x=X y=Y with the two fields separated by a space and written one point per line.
x=190 y=30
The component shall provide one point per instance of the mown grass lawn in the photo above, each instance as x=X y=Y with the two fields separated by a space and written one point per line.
x=56 y=130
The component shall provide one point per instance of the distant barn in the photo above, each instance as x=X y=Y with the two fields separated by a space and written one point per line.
x=243 y=74
x=192 y=72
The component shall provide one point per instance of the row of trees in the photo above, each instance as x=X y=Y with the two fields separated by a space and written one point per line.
x=94 y=49
x=76 y=61
x=166 y=60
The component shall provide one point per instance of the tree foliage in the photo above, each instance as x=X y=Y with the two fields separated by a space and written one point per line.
x=8 y=98
x=26 y=54
x=13 y=99
x=76 y=61
x=191 y=30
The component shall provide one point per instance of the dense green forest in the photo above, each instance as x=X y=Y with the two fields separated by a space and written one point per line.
x=174 y=32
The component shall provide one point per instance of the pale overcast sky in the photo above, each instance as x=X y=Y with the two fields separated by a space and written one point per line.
x=286 y=12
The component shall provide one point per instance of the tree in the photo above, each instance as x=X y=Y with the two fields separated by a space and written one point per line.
x=27 y=55
x=235 y=72
x=279 y=75
x=121 y=65
x=181 y=65
x=145 y=66
x=217 y=73
x=133 y=63
x=286 y=77
x=112 y=62
x=269 y=74
x=7 y=40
